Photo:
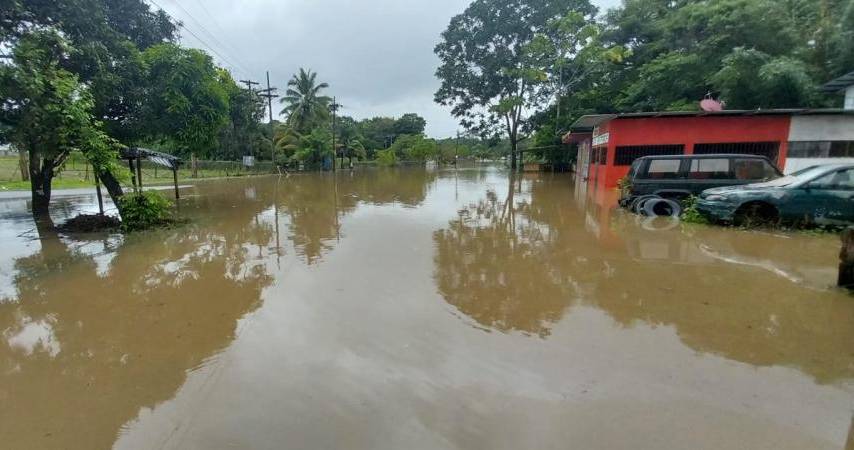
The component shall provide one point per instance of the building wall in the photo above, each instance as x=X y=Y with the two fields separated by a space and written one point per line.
x=687 y=131
x=849 y=97
x=820 y=128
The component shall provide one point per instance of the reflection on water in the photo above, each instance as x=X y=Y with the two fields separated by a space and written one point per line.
x=85 y=350
x=349 y=310
x=519 y=261
x=492 y=263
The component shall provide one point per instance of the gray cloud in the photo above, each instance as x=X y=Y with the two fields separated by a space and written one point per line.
x=377 y=55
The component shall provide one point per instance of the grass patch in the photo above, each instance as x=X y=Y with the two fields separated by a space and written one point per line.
x=690 y=214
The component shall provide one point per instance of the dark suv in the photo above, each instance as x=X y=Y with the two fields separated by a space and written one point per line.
x=681 y=176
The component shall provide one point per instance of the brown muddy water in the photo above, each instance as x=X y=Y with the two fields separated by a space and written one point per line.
x=413 y=309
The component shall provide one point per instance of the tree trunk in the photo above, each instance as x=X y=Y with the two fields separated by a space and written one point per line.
x=113 y=187
x=23 y=164
x=513 y=147
x=41 y=176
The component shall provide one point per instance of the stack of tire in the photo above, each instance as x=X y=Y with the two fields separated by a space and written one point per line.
x=654 y=206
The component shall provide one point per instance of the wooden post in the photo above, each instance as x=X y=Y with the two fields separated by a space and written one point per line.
x=139 y=172
x=132 y=173
x=846 y=259
x=175 y=179
x=98 y=191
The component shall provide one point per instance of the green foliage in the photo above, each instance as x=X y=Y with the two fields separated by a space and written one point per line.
x=305 y=106
x=314 y=148
x=654 y=55
x=242 y=133
x=488 y=74
x=414 y=147
x=409 y=123
x=48 y=111
x=187 y=104
x=144 y=210
x=386 y=157
x=690 y=214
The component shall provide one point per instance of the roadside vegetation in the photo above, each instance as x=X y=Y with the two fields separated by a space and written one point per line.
x=644 y=55
x=102 y=75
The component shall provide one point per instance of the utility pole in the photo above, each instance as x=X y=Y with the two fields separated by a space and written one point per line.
x=334 y=108
x=249 y=84
x=269 y=94
x=457 y=149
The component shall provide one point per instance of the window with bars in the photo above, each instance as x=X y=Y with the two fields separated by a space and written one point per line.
x=627 y=154
x=821 y=149
x=599 y=155
x=769 y=150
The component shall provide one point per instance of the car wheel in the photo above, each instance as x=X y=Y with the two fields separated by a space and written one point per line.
x=636 y=206
x=661 y=207
x=756 y=214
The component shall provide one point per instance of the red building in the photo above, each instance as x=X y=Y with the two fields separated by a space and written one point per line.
x=609 y=143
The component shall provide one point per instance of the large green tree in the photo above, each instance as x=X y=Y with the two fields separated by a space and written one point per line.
x=187 y=104
x=487 y=74
x=107 y=36
x=409 y=123
x=242 y=133
x=47 y=113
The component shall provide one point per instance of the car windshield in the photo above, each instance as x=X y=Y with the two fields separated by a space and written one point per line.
x=796 y=177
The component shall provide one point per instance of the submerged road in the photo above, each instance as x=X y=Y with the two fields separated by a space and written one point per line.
x=389 y=309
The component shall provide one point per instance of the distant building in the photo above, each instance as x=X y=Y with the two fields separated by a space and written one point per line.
x=791 y=138
x=845 y=83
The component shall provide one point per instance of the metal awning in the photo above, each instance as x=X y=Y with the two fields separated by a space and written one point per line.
x=840 y=83
x=159 y=158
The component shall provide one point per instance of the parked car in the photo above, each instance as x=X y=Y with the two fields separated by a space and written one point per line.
x=821 y=195
x=676 y=177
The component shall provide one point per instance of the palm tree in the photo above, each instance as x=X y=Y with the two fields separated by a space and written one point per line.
x=305 y=106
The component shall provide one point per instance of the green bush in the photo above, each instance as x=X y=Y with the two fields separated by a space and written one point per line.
x=144 y=210
x=386 y=157
x=690 y=213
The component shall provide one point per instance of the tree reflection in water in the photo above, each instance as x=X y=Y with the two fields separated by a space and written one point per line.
x=519 y=261
x=492 y=263
x=315 y=204
x=81 y=353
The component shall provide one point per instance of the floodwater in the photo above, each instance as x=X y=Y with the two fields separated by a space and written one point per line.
x=419 y=309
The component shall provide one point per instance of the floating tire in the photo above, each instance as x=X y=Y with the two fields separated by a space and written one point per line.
x=661 y=207
x=636 y=205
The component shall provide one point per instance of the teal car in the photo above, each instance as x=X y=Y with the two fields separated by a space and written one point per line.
x=819 y=195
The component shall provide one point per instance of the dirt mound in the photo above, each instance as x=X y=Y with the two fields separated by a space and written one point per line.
x=89 y=223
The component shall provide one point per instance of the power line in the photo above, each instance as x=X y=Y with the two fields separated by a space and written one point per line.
x=211 y=35
x=216 y=24
x=249 y=84
x=179 y=24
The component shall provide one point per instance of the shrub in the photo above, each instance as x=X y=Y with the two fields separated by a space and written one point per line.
x=386 y=157
x=144 y=210
x=690 y=213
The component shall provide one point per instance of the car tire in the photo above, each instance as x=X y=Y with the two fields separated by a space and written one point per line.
x=662 y=207
x=756 y=214
x=636 y=205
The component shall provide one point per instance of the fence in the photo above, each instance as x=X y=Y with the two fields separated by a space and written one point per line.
x=76 y=168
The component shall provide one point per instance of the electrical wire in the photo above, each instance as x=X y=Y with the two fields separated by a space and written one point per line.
x=213 y=37
x=201 y=41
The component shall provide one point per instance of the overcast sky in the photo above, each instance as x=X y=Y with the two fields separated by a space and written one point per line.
x=377 y=55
